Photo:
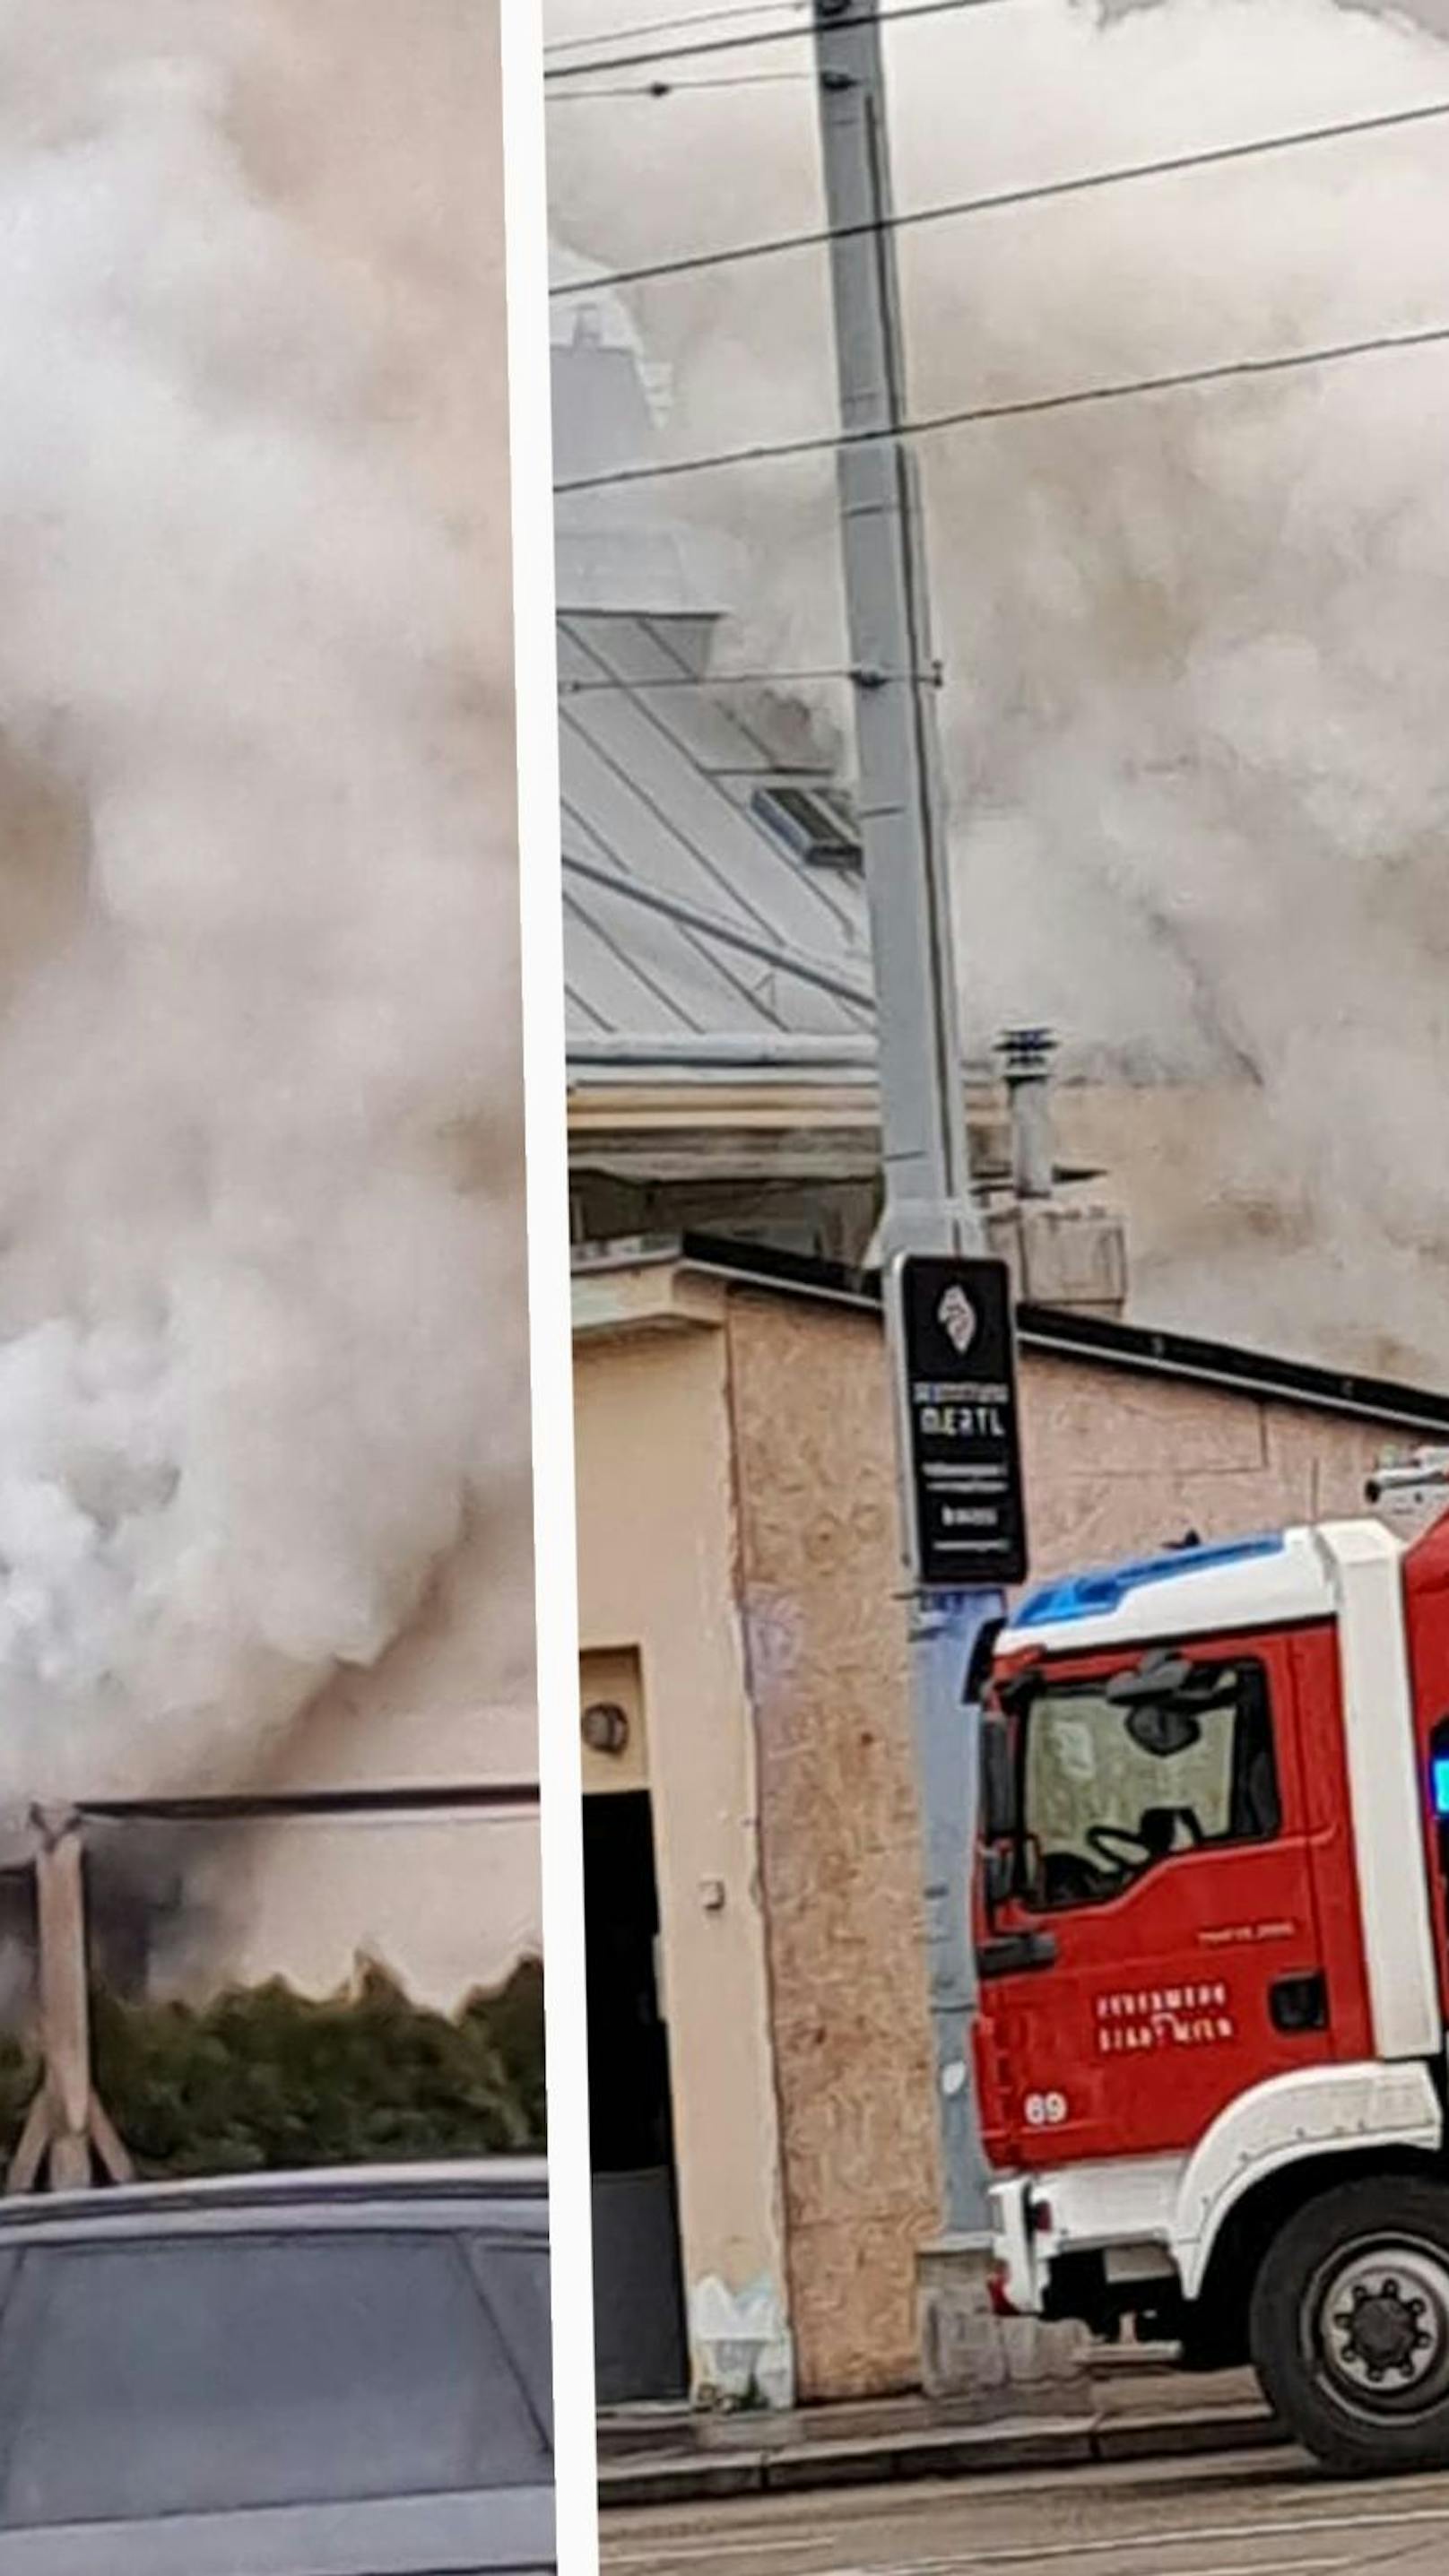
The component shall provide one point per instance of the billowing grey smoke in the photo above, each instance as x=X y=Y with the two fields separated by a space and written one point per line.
x=261 y=1299
x=1433 y=14
x=1199 y=769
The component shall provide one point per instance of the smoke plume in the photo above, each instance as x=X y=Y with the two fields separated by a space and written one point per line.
x=1198 y=770
x=261 y=1286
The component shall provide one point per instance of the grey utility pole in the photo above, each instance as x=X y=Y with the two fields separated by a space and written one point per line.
x=929 y=1205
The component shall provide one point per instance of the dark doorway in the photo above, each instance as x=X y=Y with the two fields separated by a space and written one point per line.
x=638 y=2292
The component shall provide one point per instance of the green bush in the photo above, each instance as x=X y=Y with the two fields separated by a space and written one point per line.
x=264 y=2078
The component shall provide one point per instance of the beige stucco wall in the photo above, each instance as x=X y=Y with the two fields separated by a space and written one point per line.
x=1117 y=1462
x=1114 y=1462
x=838 y=1833
x=657 y=1548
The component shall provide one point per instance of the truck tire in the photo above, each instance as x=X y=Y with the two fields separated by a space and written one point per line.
x=1349 y=2325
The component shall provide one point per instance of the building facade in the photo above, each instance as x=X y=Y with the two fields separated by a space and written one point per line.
x=768 y=2177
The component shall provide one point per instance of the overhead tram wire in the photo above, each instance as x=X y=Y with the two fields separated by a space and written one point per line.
x=1026 y=407
x=672 y=88
x=644 y=62
x=670 y=26
x=1037 y=192
x=777 y=679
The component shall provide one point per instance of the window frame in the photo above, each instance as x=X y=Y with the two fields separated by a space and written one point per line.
x=1029 y=1688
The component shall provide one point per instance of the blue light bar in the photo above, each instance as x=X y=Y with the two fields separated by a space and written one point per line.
x=1093 y=1596
x=1439 y=1779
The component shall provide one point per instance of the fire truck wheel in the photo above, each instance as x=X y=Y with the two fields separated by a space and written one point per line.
x=1349 y=2325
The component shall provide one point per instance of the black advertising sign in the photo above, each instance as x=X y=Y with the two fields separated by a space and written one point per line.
x=958 y=1394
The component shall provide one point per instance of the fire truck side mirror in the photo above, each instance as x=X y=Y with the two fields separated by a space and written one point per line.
x=978 y=1668
x=999 y=1816
x=998 y=1875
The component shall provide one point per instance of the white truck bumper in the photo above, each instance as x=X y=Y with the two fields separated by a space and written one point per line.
x=1012 y=2247
x=1123 y=2210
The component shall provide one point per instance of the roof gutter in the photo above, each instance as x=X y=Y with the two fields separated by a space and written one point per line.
x=1052 y=1329
x=853 y=1056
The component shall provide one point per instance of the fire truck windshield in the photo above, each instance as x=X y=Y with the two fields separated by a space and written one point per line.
x=1110 y=1789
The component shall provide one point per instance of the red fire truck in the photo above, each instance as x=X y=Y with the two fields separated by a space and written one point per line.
x=1212 y=1935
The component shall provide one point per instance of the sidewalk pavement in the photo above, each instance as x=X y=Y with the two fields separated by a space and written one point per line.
x=1127 y=2407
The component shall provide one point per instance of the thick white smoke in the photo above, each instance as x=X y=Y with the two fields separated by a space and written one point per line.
x=1199 y=771
x=262 y=1335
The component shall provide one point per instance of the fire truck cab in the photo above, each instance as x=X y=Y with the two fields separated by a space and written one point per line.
x=1214 y=1974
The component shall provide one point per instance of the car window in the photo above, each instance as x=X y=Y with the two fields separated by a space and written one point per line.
x=174 y=2377
x=513 y=2278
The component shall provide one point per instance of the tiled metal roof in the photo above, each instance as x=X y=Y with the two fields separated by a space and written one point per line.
x=694 y=935
x=697 y=939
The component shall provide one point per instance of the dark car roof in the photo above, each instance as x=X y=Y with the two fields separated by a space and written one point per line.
x=511 y=2189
